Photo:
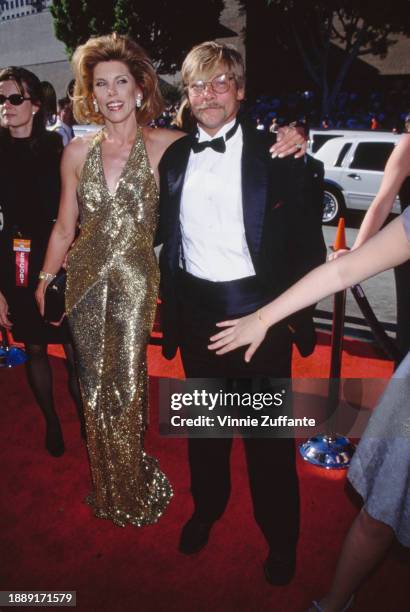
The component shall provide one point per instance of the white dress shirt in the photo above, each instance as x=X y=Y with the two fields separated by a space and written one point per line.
x=213 y=233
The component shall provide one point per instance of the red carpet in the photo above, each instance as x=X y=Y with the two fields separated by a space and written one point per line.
x=50 y=540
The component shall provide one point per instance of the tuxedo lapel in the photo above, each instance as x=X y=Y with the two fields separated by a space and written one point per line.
x=171 y=198
x=176 y=174
x=255 y=173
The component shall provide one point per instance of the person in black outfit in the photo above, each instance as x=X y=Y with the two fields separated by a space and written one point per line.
x=29 y=197
x=237 y=227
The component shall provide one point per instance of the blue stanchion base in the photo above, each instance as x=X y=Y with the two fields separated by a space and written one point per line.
x=331 y=451
x=11 y=356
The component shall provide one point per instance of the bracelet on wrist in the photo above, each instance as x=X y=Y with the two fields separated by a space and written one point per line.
x=260 y=318
x=46 y=276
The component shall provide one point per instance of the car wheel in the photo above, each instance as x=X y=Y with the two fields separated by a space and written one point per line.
x=333 y=204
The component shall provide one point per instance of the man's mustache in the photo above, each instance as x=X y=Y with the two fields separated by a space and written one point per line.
x=209 y=106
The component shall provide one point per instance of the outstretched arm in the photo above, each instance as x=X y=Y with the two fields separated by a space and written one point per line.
x=387 y=249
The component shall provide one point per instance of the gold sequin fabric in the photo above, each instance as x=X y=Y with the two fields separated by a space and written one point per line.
x=112 y=284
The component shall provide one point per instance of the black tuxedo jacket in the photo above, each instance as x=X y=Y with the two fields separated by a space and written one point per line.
x=282 y=200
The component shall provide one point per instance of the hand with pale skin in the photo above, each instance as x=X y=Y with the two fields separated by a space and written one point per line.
x=4 y=312
x=250 y=330
x=337 y=254
x=290 y=140
x=40 y=299
x=57 y=323
x=41 y=295
x=385 y=250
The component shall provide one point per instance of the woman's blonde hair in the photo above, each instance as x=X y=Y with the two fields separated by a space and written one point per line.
x=122 y=49
x=203 y=59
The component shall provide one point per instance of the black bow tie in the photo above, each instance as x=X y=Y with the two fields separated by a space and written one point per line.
x=217 y=144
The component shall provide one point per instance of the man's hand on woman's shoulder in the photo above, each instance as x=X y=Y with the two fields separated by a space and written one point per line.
x=290 y=140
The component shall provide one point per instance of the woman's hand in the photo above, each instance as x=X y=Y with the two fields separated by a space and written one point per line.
x=40 y=299
x=290 y=140
x=249 y=330
x=57 y=323
x=4 y=312
x=337 y=254
x=40 y=295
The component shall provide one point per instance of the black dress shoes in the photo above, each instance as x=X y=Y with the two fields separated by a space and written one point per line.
x=54 y=442
x=279 y=570
x=194 y=536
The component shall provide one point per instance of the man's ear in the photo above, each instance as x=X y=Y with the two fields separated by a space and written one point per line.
x=240 y=94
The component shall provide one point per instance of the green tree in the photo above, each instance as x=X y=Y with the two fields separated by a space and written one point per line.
x=167 y=29
x=357 y=27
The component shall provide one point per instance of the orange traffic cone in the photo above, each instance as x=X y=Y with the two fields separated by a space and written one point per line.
x=340 y=239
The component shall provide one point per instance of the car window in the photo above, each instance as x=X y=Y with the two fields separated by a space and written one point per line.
x=346 y=147
x=372 y=155
x=319 y=140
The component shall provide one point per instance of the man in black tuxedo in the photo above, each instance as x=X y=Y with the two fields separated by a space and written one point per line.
x=237 y=230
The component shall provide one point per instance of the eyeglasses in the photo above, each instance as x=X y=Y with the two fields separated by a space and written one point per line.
x=14 y=99
x=220 y=84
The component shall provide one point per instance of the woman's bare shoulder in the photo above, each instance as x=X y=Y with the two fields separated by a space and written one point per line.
x=79 y=145
x=76 y=151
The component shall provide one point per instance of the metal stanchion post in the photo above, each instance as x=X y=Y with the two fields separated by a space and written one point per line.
x=331 y=450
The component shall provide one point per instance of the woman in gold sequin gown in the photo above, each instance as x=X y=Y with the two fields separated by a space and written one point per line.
x=109 y=181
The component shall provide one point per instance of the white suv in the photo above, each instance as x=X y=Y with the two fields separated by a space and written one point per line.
x=354 y=169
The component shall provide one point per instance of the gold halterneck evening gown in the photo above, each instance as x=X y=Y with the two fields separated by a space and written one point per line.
x=112 y=285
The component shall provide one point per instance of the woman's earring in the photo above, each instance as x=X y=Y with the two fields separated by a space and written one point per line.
x=138 y=101
x=96 y=107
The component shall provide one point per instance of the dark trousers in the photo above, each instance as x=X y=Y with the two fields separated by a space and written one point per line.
x=271 y=462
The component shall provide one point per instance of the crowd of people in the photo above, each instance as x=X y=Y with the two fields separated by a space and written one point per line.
x=352 y=110
x=387 y=111
x=237 y=211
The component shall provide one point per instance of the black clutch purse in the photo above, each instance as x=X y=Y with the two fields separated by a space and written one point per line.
x=54 y=299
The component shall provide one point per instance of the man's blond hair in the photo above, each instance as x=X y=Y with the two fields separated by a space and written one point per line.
x=202 y=60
